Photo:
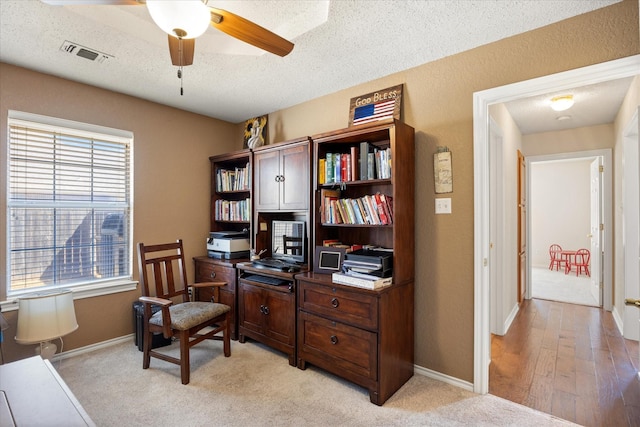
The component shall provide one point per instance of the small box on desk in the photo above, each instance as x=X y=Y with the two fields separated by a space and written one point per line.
x=370 y=261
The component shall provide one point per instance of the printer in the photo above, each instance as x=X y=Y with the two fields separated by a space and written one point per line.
x=228 y=244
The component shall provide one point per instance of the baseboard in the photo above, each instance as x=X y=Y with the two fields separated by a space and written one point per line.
x=510 y=317
x=618 y=319
x=93 y=347
x=456 y=382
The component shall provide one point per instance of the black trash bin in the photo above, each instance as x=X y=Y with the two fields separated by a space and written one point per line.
x=138 y=315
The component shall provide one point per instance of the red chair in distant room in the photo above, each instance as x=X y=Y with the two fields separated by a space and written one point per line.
x=581 y=262
x=556 y=258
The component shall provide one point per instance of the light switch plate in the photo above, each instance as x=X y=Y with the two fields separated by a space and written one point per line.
x=443 y=205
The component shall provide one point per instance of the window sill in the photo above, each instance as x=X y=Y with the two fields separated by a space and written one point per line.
x=79 y=292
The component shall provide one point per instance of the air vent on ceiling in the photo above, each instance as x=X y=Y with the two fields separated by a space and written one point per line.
x=84 y=52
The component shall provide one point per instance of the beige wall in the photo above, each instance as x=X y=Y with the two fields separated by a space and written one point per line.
x=437 y=103
x=579 y=139
x=171 y=179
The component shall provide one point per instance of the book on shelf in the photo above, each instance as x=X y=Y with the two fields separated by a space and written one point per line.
x=337 y=167
x=376 y=209
x=364 y=153
x=331 y=242
x=327 y=195
x=322 y=171
x=232 y=210
x=353 y=157
x=361 y=280
x=329 y=168
x=345 y=167
x=236 y=179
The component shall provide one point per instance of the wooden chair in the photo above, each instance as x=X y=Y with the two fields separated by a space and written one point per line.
x=556 y=258
x=581 y=262
x=164 y=283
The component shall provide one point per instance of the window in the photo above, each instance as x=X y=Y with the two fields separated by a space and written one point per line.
x=69 y=204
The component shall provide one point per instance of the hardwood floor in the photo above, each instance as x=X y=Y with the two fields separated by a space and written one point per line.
x=569 y=361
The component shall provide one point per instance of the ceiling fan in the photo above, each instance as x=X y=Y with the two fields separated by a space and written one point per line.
x=186 y=20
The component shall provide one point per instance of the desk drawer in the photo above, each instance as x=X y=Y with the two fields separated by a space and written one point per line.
x=338 y=347
x=206 y=272
x=353 y=307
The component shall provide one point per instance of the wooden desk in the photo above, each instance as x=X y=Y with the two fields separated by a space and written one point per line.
x=37 y=396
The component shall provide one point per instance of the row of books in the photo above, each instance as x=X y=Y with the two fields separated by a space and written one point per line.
x=233 y=210
x=376 y=209
x=237 y=179
x=360 y=163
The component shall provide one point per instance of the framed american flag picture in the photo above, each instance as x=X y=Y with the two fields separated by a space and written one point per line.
x=379 y=105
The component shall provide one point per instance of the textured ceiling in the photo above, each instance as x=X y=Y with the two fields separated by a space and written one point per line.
x=360 y=41
x=593 y=105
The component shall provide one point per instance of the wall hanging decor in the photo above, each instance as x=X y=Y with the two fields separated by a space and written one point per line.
x=379 y=105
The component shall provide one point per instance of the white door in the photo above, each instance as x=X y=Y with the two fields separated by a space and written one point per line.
x=631 y=227
x=596 y=229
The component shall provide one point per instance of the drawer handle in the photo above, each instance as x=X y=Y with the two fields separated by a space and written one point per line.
x=264 y=309
x=334 y=302
x=334 y=339
x=213 y=274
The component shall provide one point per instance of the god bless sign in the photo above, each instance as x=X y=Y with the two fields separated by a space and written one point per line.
x=380 y=105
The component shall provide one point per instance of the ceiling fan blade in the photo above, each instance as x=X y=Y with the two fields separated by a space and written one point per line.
x=181 y=51
x=249 y=32
x=94 y=2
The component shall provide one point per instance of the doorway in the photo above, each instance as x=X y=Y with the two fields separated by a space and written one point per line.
x=567 y=209
x=626 y=67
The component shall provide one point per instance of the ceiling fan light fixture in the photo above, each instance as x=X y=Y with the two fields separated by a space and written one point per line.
x=185 y=19
x=561 y=103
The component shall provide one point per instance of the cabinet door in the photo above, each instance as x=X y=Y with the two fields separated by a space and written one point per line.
x=267 y=180
x=280 y=317
x=251 y=303
x=295 y=183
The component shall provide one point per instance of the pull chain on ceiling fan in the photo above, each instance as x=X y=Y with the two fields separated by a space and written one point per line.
x=186 y=20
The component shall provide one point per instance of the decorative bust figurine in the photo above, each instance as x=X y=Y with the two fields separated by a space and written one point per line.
x=254 y=131
x=255 y=140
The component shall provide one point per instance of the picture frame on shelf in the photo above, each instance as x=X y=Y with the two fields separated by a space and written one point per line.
x=328 y=259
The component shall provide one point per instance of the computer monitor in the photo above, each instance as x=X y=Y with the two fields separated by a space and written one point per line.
x=289 y=240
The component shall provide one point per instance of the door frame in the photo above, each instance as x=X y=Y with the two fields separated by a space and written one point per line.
x=625 y=67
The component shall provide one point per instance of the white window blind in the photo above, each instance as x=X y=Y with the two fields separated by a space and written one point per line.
x=69 y=202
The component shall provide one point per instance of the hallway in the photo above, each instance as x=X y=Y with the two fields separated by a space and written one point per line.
x=569 y=361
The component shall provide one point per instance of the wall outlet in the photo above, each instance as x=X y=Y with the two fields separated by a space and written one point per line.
x=443 y=206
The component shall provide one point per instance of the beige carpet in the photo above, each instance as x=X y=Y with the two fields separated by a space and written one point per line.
x=257 y=387
x=556 y=286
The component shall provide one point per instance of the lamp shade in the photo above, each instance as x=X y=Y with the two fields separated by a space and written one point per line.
x=46 y=316
x=185 y=19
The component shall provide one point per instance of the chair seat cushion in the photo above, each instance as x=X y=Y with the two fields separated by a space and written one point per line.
x=189 y=314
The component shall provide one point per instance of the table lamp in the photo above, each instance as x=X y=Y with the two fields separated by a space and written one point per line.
x=43 y=317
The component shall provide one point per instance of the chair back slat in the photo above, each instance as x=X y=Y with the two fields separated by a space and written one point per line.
x=168 y=281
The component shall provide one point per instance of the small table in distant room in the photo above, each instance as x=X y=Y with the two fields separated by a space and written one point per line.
x=569 y=258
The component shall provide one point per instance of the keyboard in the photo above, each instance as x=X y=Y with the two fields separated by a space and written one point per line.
x=275 y=264
x=265 y=279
